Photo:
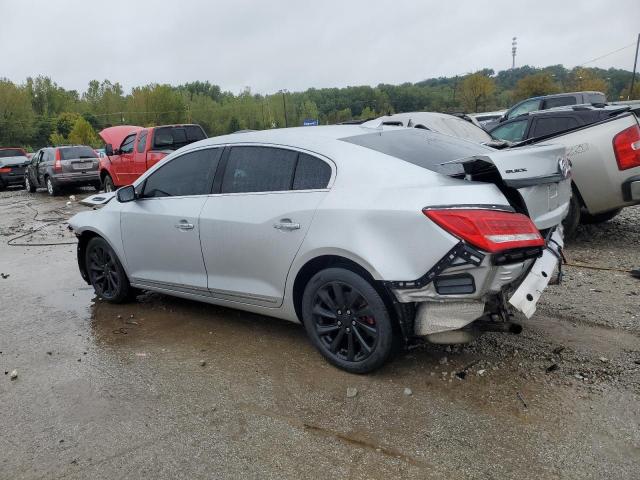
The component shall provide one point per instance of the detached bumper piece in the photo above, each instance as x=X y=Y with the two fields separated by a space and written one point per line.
x=528 y=293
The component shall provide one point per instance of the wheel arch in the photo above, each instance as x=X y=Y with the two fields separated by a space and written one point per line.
x=401 y=314
x=84 y=237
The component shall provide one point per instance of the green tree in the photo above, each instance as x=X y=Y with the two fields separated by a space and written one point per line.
x=82 y=133
x=583 y=79
x=16 y=115
x=65 y=122
x=541 y=83
x=475 y=91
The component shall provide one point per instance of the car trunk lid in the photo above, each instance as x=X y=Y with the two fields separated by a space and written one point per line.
x=535 y=180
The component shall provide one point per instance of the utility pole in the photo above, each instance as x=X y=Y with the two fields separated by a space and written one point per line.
x=284 y=106
x=514 y=46
x=635 y=64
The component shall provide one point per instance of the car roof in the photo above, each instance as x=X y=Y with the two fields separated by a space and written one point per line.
x=553 y=95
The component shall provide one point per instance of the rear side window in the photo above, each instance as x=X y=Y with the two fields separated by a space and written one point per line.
x=259 y=169
x=525 y=107
x=511 y=132
x=311 y=173
x=142 y=141
x=549 y=126
x=188 y=174
x=559 y=102
x=69 y=153
x=12 y=152
x=127 y=144
x=173 y=138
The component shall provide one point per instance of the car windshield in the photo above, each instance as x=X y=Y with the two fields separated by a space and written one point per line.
x=420 y=147
x=11 y=152
x=173 y=138
x=67 y=153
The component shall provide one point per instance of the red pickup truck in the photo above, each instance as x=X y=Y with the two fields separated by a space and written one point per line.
x=131 y=151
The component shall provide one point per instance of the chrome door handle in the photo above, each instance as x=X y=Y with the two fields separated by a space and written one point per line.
x=286 y=225
x=184 y=225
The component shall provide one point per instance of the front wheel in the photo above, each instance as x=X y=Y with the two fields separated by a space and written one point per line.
x=108 y=184
x=30 y=187
x=347 y=320
x=106 y=274
x=572 y=220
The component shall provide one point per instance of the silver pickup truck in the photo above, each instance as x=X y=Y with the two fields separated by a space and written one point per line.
x=605 y=159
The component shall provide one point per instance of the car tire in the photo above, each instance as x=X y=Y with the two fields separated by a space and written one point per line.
x=587 y=218
x=347 y=320
x=105 y=272
x=108 y=184
x=572 y=220
x=97 y=186
x=52 y=188
x=30 y=187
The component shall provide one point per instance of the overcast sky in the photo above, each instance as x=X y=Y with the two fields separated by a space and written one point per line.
x=296 y=44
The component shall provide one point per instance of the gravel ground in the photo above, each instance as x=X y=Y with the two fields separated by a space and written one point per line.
x=168 y=388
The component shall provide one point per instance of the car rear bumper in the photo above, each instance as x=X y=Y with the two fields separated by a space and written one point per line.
x=76 y=178
x=459 y=294
x=12 y=178
x=631 y=189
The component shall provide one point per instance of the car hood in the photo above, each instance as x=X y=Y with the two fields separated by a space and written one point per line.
x=115 y=135
x=12 y=161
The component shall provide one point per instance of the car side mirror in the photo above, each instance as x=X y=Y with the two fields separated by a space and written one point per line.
x=126 y=194
x=108 y=149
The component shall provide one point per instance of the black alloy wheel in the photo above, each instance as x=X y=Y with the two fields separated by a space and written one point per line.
x=347 y=320
x=106 y=274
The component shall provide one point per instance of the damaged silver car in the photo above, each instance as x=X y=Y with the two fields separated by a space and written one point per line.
x=371 y=238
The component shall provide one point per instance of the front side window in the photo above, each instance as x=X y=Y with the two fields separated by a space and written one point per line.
x=188 y=174
x=259 y=169
x=526 y=107
x=511 y=132
x=142 y=141
x=127 y=144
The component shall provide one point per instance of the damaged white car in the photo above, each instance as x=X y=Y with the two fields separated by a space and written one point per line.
x=371 y=238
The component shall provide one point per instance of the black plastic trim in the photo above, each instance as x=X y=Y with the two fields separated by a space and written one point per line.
x=461 y=251
x=472 y=206
x=626 y=188
x=458 y=284
x=530 y=182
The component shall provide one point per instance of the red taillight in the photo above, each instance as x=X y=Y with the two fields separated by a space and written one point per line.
x=5 y=170
x=489 y=230
x=57 y=167
x=626 y=146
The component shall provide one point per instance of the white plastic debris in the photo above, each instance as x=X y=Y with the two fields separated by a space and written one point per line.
x=408 y=391
x=352 y=392
x=68 y=204
x=13 y=375
x=72 y=198
x=481 y=372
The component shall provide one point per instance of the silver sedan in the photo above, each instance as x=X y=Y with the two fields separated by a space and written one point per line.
x=372 y=238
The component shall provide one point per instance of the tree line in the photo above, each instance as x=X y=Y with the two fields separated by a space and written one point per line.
x=39 y=112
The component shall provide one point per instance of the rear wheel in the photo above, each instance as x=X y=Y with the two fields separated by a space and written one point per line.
x=347 y=320
x=572 y=220
x=28 y=185
x=588 y=218
x=106 y=274
x=52 y=188
x=108 y=184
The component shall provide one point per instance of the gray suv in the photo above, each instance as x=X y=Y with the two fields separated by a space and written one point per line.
x=59 y=167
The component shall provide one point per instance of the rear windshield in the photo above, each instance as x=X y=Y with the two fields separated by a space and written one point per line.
x=12 y=152
x=69 y=153
x=420 y=147
x=172 y=138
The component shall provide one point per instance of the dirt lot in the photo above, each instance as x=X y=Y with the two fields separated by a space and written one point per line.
x=109 y=391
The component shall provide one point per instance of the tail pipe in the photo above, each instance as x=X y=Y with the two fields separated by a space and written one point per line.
x=505 y=327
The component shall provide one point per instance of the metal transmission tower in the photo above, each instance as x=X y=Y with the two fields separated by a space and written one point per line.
x=514 y=46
